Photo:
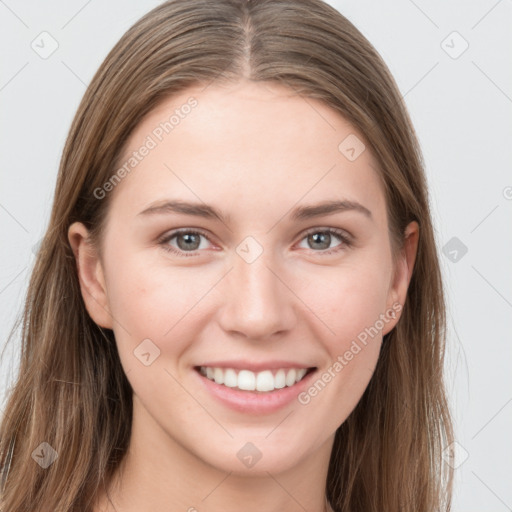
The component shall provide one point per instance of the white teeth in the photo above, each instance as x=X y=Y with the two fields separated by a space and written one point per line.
x=230 y=378
x=290 y=377
x=265 y=381
x=218 y=375
x=280 y=379
x=247 y=380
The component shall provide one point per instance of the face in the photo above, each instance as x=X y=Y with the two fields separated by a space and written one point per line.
x=247 y=246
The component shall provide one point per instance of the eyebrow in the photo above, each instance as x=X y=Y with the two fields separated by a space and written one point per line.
x=299 y=213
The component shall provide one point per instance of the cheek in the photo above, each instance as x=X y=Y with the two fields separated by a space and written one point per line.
x=348 y=299
x=352 y=351
x=154 y=301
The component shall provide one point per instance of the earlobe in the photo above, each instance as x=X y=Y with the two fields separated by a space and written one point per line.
x=403 y=272
x=90 y=275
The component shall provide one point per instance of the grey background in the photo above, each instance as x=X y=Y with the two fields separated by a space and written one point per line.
x=461 y=105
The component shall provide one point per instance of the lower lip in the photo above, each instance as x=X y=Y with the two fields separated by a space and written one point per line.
x=254 y=402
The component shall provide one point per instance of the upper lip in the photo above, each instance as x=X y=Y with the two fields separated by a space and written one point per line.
x=254 y=366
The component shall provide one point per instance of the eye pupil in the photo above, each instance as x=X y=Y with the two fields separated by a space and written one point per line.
x=321 y=235
x=189 y=237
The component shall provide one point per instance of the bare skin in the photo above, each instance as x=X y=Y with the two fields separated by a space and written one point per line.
x=254 y=152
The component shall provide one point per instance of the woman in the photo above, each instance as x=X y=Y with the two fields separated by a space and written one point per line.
x=187 y=345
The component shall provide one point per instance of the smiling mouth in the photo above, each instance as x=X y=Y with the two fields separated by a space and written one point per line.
x=246 y=380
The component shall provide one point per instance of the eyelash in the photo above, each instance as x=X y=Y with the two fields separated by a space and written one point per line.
x=343 y=237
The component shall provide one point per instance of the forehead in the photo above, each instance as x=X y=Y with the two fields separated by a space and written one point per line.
x=248 y=147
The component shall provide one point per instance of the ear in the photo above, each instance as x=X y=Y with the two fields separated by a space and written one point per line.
x=90 y=275
x=402 y=275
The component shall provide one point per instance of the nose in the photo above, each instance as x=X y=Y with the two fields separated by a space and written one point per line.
x=258 y=302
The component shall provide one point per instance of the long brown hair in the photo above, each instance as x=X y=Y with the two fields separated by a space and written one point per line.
x=71 y=391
